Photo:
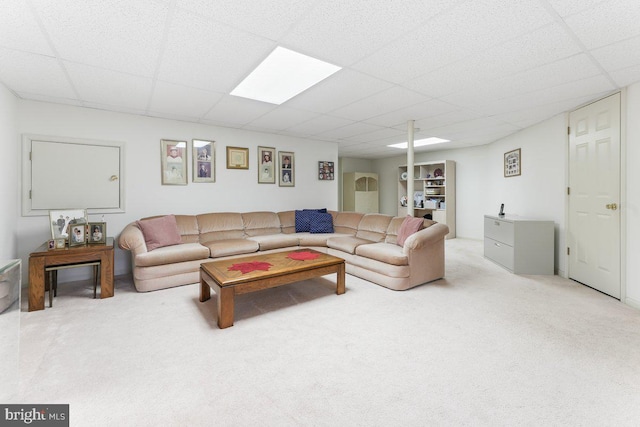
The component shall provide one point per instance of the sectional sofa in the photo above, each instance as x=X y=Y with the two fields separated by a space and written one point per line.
x=367 y=242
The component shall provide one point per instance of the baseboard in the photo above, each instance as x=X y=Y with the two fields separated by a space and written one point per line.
x=632 y=302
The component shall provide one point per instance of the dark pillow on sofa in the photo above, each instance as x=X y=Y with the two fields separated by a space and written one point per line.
x=409 y=226
x=303 y=219
x=321 y=222
x=159 y=232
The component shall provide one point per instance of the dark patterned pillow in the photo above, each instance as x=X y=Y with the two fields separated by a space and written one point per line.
x=321 y=222
x=303 y=219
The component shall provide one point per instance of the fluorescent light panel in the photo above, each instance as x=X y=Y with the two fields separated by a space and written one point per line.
x=420 y=142
x=283 y=75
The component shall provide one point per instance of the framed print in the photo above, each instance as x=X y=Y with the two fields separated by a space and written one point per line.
x=286 y=171
x=512 y=163
x=51 y=244
x=60 y=220
x=237 y=158
x=204 y=161
x=174 y=162
x=60 y=243
x=325 y=171
x=266 y=171
x=97 y=233
x=77 y=234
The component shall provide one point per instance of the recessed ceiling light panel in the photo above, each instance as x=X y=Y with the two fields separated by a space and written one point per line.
x=420 y=142
x=283 y=75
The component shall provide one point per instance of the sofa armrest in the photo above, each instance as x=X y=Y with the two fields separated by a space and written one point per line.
x=425 y=237
x=132 y=239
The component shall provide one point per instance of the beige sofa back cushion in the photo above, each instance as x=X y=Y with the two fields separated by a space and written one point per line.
x=287 y=221
x=220 y=226
x=261 y=223
x=392 y=230
x=346 y=222
x=374 y=227
x=188 y=228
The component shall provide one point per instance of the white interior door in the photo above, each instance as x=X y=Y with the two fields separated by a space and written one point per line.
x=594 y=195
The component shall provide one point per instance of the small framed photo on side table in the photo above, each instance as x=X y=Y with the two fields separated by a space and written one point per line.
x=97 y=233
x=77 y=234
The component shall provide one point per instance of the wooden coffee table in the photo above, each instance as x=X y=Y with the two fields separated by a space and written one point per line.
x=283 y=270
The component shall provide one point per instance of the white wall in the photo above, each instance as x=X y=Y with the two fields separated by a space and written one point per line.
x=631 y=209
x=9 y=187
x=234 y=190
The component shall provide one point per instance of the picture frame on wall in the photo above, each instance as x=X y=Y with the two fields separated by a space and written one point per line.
x=61 y=219
x=325 y=171
x=173 y=162
x=204 y=160
x=97 y=234
x=286 y=169
x=266 y=162
x=237 y=158
x=512 y=163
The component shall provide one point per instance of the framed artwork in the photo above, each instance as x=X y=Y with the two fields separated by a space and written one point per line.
x=77 y=234
x=325 y=171
x=286 y=170
x=61 y=220
x=204 y=161
x=266 y=171
x=173 y=162
x=512 y=163
x=237 y=158
x=97 y=233
x=60 y=243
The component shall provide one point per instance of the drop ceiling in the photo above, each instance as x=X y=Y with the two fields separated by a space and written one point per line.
x=469 y=71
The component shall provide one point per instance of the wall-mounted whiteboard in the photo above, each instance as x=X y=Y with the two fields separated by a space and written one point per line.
x=68 y=173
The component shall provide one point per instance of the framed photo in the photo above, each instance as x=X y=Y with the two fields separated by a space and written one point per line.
x=61 y=220
x=286 y=170
x=266 y=170
x=173 y=156
x=77 y=234
x=512 y=163
x=59 y=243
x=204 y=161
x=97 y=233
x=325 y=171
x=237 y=158
x=51 y=244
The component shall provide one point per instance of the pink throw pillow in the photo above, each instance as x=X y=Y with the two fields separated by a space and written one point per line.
x=159 y=232
x=409 y=226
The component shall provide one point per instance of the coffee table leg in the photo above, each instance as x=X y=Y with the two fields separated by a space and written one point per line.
x=225 y=307
x=340 y=288
x=205 y=290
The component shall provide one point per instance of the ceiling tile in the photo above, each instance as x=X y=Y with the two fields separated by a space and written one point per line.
x=433 y=107
x=209 y=56
x=391 y=99
x=604 y=24
x=23 y=72
x=619 y=55
x=282 y=118
x=101 y=86
x=319 y=124
x=182 y=101
x=571 y=7
x=386 y=134
x=626 y=76
x=237 y=111
x=116 y=35
x=344 y=132
x=20 y=30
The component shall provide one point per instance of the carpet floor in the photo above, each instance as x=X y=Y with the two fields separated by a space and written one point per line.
x=481 y=347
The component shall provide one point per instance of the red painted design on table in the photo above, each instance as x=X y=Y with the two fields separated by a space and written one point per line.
x=301 y=256
x=248 y=267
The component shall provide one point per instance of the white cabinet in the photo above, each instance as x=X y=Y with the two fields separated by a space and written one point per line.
x=521 y=245
x=434 y=186
x=360 y=192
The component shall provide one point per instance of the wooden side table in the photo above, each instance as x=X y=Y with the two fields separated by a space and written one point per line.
x=43 y=258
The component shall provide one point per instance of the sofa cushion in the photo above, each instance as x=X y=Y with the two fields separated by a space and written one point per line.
x=220 y=248
x=373 y=227
x=321 y=222
x=260 y=223
x=287 y=221
x=409 y=226
x=220 y=226
x=347 y=244
x=347 y=222
x=172 y=254
x=388 y=253
x=303 y=219
x=275 y=241
x=392 y=230
x=159 y=232
x=316 y=239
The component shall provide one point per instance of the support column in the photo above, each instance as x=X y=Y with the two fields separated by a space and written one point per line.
x=410 y=161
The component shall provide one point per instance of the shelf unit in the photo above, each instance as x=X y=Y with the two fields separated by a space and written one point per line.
x=360 y=192
x=434 y=192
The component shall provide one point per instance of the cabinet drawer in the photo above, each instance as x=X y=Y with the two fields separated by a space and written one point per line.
x=499 y=252
x=502 y=231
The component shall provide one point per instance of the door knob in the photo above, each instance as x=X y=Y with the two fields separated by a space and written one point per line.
x=612 y=206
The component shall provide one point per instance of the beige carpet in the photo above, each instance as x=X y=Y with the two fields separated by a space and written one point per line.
x=483 y=347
